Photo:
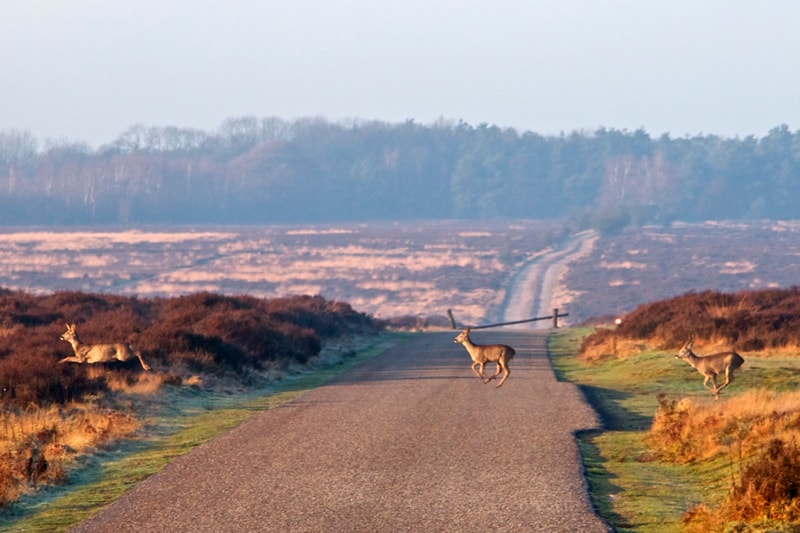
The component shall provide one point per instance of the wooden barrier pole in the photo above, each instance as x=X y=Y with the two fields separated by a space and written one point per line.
x=554 y=317
x=452 y=320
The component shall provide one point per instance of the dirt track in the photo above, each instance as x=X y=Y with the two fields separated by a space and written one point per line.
x=408 y=441
x=535 y=290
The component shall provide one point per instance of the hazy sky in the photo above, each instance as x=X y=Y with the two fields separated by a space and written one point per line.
x=86 y=70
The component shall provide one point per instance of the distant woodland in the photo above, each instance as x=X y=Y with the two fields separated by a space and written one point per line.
x=267 y=170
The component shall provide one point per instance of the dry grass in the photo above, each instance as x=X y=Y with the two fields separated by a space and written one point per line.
x=684 y=430
x=39 y=444
x=727 y=310
x=611 y=347
x=129 y=383
x=758 y=431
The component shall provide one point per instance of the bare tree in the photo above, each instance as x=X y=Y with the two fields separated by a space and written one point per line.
x=18 y=152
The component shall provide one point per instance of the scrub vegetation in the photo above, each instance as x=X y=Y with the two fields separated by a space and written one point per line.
x=55 y=414
x=670 y=457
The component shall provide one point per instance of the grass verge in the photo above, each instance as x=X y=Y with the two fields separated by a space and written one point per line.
x=631 y=489
x=192 y=421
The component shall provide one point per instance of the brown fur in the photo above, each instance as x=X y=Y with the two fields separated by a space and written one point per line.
x=489 y=353
x=97 y=353
x=711 y=366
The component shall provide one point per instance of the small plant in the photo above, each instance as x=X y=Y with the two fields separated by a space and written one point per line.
x=669 y=428
x=767 y=496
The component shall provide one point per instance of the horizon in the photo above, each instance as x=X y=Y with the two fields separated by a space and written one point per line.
x=43 y=142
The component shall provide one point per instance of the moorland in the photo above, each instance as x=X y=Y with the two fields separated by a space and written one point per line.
x=237 y=296
x=416 y=270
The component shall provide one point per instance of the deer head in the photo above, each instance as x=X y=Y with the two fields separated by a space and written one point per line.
x=686 y=351
x=464 y=335
x=70 y=334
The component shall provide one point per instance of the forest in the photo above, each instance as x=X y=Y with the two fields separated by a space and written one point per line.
x=254 y=170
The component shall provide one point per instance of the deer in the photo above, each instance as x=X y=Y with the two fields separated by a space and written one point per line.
x=98 y=353
x=488 y=353
x=711 y=366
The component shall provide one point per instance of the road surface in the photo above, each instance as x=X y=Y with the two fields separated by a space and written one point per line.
x=408 y=441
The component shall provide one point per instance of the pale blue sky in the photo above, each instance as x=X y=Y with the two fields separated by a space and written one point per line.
x=86 y=70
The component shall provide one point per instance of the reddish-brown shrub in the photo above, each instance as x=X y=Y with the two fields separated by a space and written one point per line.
x=746 y=321
x=34 y=379
x=770 y=486
x=205 y=331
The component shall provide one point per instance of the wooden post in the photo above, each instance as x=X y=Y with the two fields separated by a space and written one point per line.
x=452 y=320
x=555 y=317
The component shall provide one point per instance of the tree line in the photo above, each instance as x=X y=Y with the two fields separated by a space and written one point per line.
x=267 y=170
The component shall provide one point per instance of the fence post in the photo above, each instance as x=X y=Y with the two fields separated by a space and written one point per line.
x=555 y=317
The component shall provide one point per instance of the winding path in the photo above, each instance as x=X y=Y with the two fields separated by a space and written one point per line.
x=532 y=291
x=407 y=441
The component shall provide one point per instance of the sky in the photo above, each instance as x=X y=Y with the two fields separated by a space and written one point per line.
x=87 y=70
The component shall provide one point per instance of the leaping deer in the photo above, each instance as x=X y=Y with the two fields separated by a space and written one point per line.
x=489 y=353
x=98 y=353
x=711 y=366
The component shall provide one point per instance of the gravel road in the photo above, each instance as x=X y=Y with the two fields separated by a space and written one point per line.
x=408 y=441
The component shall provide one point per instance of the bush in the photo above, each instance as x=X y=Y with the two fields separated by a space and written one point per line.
x=206 y=332
x=746 y=321
x=767 y=499
x=770 y=485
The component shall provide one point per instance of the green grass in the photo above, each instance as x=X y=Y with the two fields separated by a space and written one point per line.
x=630 y=490
x=107 y=475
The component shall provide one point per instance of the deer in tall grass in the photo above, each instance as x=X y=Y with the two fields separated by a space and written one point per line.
x=98 y=353
x=488 y=353
x=711 y=366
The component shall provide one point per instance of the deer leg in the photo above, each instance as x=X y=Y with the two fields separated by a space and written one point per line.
x=497 y=373
x=479 y=370
x=144 y=365
x=72 y=359
x=716 y=389
x=728 y=380
x=505 y=376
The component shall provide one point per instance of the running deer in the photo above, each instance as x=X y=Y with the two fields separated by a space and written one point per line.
x=98 y=353
x=489 y=353
x=711 y=366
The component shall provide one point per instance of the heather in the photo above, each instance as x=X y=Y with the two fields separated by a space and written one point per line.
x=760 y=321
x=54 y=413
x=735 y=458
